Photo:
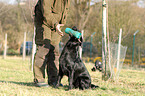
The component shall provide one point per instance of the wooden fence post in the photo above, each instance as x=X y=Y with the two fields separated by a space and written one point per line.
x=24 y=46
x=5 y=47
x=33 y=51
x=80 y=48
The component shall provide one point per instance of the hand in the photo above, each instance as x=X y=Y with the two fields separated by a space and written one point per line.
x=58 y=29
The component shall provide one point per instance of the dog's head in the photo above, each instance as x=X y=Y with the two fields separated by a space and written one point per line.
x=74 y=40
x=98 y=66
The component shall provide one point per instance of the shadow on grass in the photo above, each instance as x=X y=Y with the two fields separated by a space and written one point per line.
x=65 y=87
x=19 y=83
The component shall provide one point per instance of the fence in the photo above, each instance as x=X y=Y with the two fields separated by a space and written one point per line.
x=25 y=48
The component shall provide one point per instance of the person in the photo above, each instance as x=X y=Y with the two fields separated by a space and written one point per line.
x=49 y=16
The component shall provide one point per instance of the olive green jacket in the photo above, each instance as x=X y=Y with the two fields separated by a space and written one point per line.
x=51 y=12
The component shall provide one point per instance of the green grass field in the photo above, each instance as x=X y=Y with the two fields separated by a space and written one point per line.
x=16 y=79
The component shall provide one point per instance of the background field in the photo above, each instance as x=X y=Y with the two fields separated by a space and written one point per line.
x=16 y=79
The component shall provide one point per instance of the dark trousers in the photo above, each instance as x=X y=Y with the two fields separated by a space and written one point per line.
x=47 y=55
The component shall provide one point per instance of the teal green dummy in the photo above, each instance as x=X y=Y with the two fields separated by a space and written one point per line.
x=74 y=33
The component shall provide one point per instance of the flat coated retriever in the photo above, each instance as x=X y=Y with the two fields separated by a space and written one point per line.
x=71 y=65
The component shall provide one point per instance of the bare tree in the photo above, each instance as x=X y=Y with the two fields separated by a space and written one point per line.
x=80 y=11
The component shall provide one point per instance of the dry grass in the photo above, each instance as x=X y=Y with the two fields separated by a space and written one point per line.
x=16 y=80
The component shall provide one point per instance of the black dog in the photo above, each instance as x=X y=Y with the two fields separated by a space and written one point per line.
x=98 y=66
x=72 y=66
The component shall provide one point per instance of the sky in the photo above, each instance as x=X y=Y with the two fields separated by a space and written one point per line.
x=140 y=3
x=8 y=1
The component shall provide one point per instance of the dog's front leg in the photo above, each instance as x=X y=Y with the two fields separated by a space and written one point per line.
x=58 y=81
x=60 y=75
x=71 y=73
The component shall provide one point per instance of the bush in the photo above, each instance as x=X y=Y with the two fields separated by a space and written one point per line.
x=12 y=52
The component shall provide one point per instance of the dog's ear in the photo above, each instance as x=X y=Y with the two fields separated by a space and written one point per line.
x=74 y=28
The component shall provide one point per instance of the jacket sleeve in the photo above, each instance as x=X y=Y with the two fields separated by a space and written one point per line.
x=64 y=17
x=49 y=16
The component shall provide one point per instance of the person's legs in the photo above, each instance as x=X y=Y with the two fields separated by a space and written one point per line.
x=40 y=63
x=43 y=47
x=53 y=59
x=47 y=54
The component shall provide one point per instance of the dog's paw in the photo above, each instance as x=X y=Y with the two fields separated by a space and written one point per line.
x=56 y=86
x=70 y=87
x=94 y=86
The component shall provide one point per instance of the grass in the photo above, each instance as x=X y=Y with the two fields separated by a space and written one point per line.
x=16 y=79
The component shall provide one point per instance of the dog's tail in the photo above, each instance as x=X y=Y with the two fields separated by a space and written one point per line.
x=94 y=86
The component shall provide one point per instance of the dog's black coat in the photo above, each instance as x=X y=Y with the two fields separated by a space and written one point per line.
x=98 y=66
x=72 y=66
